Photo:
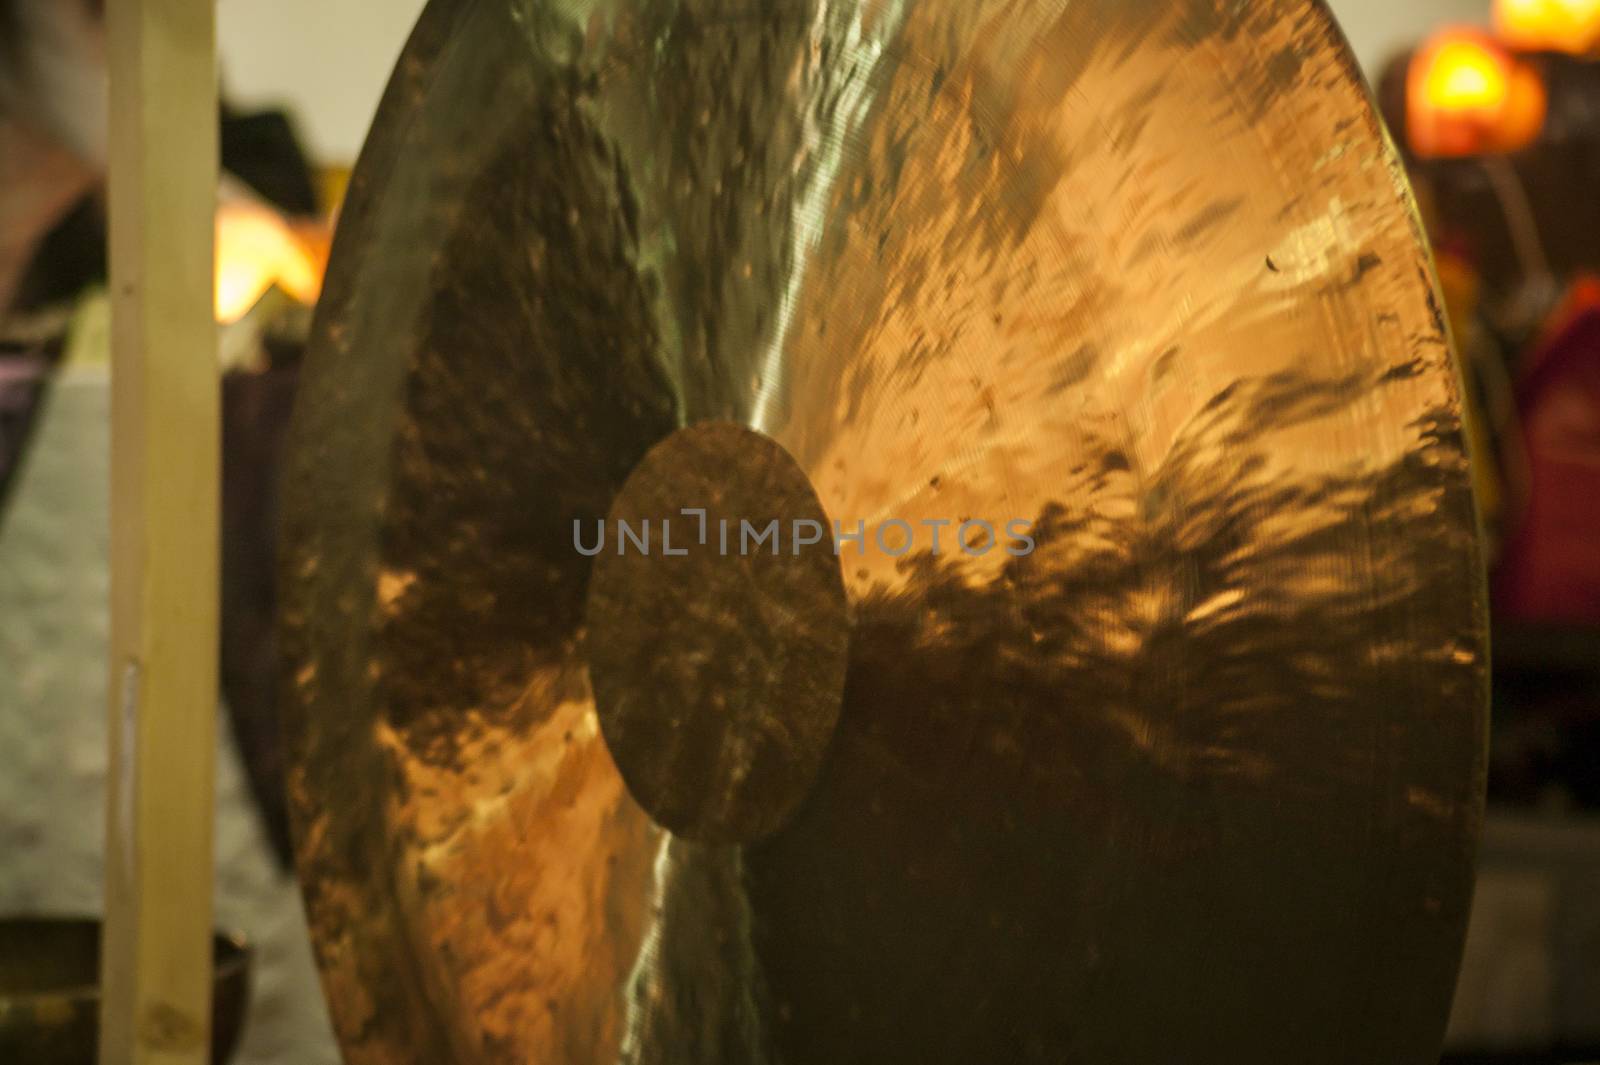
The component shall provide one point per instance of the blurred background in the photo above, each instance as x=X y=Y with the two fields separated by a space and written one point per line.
x=1494 y=104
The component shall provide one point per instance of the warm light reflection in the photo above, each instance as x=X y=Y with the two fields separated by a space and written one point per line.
x=1467 y=96
x=257 y=249
x=1549 y=25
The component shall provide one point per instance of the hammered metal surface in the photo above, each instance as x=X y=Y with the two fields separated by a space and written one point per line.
x=1196 y=781
x=717 y=633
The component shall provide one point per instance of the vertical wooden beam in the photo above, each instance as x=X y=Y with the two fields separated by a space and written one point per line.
x=156 y=957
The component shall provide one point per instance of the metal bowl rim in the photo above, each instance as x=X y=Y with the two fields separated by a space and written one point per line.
x=234 y=948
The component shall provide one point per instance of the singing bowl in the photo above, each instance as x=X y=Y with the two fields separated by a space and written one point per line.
x=1198 y=779
x=50 y=992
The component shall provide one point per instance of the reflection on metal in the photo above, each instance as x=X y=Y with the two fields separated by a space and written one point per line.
x=1198 y=779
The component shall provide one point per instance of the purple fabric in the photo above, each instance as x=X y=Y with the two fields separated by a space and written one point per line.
x=22 y=382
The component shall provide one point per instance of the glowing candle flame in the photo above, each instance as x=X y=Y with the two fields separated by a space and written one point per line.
x=1571 y=26
x=1467 y=96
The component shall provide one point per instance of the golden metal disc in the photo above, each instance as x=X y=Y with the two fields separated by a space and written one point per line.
x=1192 y=776
x=717 y=664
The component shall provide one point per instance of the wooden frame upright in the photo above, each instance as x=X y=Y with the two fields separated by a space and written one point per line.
x=156 y=957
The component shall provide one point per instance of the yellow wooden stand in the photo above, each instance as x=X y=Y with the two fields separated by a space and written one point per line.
x=156 y=958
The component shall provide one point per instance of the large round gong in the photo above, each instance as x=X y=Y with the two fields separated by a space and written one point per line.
x=1194 y=780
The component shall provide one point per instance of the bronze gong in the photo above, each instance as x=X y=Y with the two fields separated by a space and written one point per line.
x=1197 y=779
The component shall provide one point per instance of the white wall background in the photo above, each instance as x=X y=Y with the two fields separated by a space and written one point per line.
x=328 y=60
x=1379 y=28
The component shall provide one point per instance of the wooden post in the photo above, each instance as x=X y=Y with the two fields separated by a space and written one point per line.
x=165 y=469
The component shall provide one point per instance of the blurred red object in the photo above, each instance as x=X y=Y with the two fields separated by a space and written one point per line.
x=1550 y=571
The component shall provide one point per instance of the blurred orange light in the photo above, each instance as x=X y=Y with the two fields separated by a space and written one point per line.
x=1549 y=25
x=257 y=249
x=1467 y=96
x=1466 y=78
